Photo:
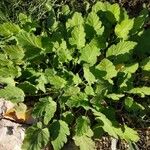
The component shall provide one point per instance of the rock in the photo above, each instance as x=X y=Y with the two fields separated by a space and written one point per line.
x=11 y=135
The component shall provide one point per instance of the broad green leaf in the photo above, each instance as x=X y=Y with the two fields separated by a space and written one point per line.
x=78 y=100
x=83 y=134
x=132 y=105
x=107 y=125
x=7 y=80
x=103 y=67
x=145 y=64
x=11 y=71
x=8 y=29
x=89 y=54
x=115 y=96
x=130 y=68
x=115 y=10
x=57 y=81
x=4 y=61
x=76 y=79
x=36 y=138
x=59 y=131
x=127 y=133
x=13 y=94
x=26 y=39
x=90 y=78
x=84 y=142
x=14 y=52
x=45 y=109
x=82 y=125
x=27 y=87
x=76 y=20
x=23 y=18
x=100 y=6
x=142 y=91
x=41 y=81
x=64 y=55
x=89 y=90
x=72 y=90
x=122 y=30
x=121 y=48
x=77 y=38
x=93 y=21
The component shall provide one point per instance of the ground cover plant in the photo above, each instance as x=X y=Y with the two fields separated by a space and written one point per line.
x=85 y=74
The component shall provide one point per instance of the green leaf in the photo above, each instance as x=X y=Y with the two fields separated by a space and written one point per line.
x=77 y=37
x=84 y=142
x=4 y=61
x=90 y=78
x=127 y=133
x=100 y=6
x=130 y=68
x=115 y=96
x=8 y=29
x=36 y=138
x=57 y=81
x=83 y=134
x=115 y=10
x=82 y=125
x=103 y=67
x=89 y=54
x=63 y=53
x=14 y=52
x=26 y=39
x=45 y=108
x=142 y=91
x=11 y=71
x=89 y=90
x=107 y=125
x=122 y=30
x=76 y=20
x=7 y=80
x=121 y=48
x=12 y=94
x=145 y=64
x=78 y=100
x=93 y=21
x=59 y=131
x=27 y=87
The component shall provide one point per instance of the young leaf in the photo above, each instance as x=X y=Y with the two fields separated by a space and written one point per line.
x=8 y=29
x=12 y=94
x=89 y=54
x=59 y=131
x=36 y=138
x=26 y=39
x=93 y=21
x=76 y=20
x=14 y=52
x=77 y=37
x=115 y=96
x=90 y=78
x=122 y=30
x=121 y=48
x=103 y=67
x=45 y=108
x=142 y=91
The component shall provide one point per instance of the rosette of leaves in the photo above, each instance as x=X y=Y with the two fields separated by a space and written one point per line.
x=79 y=73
